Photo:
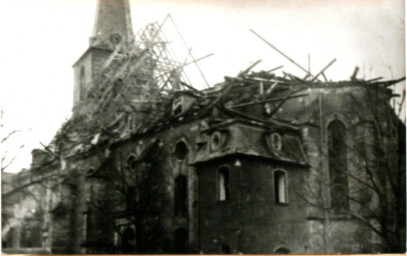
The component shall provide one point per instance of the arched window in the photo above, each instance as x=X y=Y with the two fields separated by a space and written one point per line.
x=181 y=196
x=181 y=150
x=280 y=187
x=223 y=184
x=337 y=165
x=128 y=241
x=82 y=84
x=181 y=241
x=282 y=250
x=132 y=163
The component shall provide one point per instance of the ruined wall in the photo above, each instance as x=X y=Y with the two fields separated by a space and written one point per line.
x=69 y=207
x=167 y=161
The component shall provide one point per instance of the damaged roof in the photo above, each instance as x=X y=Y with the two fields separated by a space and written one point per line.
x=237 y=136
x=139 y=90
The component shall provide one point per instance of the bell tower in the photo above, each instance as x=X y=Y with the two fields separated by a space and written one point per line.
x=112 y=28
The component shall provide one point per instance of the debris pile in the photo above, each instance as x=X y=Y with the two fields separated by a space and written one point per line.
x=138 y=90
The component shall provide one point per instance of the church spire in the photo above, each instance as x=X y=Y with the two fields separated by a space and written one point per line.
x=112 y=24
x=112 y=28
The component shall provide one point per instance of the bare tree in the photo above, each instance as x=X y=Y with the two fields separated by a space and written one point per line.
x=371 y=190
x=8 y=158
x=136 y=192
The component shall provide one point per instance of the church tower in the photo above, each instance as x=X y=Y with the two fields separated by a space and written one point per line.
x=112 y=29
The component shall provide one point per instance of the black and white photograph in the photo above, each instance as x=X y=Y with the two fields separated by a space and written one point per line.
x=203 y=127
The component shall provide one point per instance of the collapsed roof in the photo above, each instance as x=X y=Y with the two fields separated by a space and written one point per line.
x=138 y=90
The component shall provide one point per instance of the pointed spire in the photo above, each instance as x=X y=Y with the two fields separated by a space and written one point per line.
x=112 y=24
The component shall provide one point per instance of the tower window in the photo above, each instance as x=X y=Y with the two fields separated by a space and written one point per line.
x=223 y=184
x=181 y=150
x=280 y=187
x=338 y=165
x=82 y=84
x=180 y=196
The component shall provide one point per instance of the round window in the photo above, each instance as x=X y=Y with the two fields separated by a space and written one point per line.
x=115 y=38
x=276 y=141
x=216 y=141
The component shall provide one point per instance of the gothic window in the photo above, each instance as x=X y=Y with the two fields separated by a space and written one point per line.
x=338 y=165
x=280 y=187
x=223 y=184
x=180 y=241
x=180 y=196
x=181 y=150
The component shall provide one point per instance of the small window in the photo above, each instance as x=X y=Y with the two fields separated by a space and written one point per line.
x=280 y=187
x=115 y=38
x=216 y=141
x=132 y=163
x=276 y=141
x=181 y=150
x=225 y=249
x=223 y=184
x=177 y=110
x=177 y=106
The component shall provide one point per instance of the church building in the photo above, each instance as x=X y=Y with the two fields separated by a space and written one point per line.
x=259 y=163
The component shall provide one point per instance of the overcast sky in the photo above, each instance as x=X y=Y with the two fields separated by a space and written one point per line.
x=41 y=39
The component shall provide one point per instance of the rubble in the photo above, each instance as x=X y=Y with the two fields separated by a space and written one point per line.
x=136 y=89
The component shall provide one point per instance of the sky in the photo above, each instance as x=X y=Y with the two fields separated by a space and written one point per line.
x=43 y=38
